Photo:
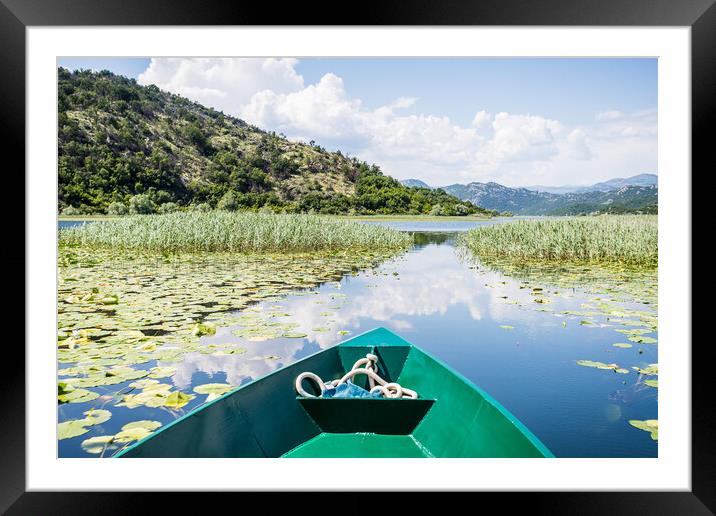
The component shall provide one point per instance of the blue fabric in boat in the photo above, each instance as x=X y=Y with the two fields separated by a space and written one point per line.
x=349 y=390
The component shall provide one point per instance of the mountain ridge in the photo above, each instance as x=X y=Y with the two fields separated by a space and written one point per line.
x=522 y=201
x=635 y=194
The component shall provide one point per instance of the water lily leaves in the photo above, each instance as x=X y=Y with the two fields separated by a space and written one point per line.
x=110 y=300
x=294 y=335
x=72 y=428
x=162 y=372
x=153 y=395
x=602 y=365
x=203 y=329
x=343 y=332
x=77 y=396
x=145 y=424
x=156 y=388
x=131 y=434
x=651 y=370
x=214 y=390
x=98 y=444
x=97 y=416
x=77 y=427
x=507 y=327
x=110 y=376
x=178 y=399
x=652 y=383
x=649 y=425
x=141 y=384
x=232 y=351
x=641 y=339
x=623 y=345
x=640 y=331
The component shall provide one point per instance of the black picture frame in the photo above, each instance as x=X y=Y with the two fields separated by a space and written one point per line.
x=700 y=15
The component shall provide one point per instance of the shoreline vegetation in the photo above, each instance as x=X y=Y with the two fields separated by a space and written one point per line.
x=622 y=240
x=386 y=218
x=218 y=231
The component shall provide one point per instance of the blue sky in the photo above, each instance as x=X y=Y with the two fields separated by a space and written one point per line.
x=515 y=121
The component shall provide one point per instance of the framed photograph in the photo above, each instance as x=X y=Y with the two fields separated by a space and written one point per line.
x=457 y=233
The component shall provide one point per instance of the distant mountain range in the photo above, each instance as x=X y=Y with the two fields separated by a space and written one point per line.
x=620 y=195
x=612 y=184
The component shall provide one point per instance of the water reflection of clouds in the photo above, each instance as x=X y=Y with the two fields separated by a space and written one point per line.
x=430 y=281
x=238 y=367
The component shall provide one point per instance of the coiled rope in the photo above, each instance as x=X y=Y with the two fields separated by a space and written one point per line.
x=376 y=383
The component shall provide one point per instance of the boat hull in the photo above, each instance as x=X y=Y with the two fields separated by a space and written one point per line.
x=265 y=418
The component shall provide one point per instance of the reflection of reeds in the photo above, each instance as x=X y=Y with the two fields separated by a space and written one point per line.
x=628 y=283
x=628 y=240
x=234 y=232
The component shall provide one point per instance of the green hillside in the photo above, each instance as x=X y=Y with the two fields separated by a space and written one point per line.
x=119 y=140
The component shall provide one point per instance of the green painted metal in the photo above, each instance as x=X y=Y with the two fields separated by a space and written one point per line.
x=265 y=418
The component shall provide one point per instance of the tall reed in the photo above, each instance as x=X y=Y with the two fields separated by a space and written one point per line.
x=220 y=231
x=619 y=239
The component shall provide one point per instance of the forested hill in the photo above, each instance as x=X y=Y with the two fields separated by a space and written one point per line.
x=119 y=140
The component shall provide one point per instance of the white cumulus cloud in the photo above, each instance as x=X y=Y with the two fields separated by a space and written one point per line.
x=515 y=149
x=222 y=83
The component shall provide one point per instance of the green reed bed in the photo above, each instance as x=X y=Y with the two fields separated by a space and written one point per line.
x=233 y=232
x=609 y=239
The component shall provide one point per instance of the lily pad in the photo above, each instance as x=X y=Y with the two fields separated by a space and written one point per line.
x=651 y=370
x=178 y=399
x=98 y=444
x=598 y=365
x=623 y=345
x=203 y=329
x=641 y=339
x=162 y=372
x=131 y=434
x=214 y=390
x=145 y=424
x=649 y=425
x=72 y=428
x=77 y=396
x=97 y=416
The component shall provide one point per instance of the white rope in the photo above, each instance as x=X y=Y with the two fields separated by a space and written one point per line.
x=310 y=376
x=389 y=390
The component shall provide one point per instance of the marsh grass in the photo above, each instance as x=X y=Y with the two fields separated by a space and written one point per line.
x=630 y=240
x=233 y=232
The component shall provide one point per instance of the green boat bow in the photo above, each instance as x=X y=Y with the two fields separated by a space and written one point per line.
x=265 y=418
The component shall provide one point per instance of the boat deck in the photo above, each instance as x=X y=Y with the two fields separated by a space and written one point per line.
x=359 y=445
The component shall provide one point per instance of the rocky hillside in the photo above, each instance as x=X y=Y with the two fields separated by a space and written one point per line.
x=118 y=139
